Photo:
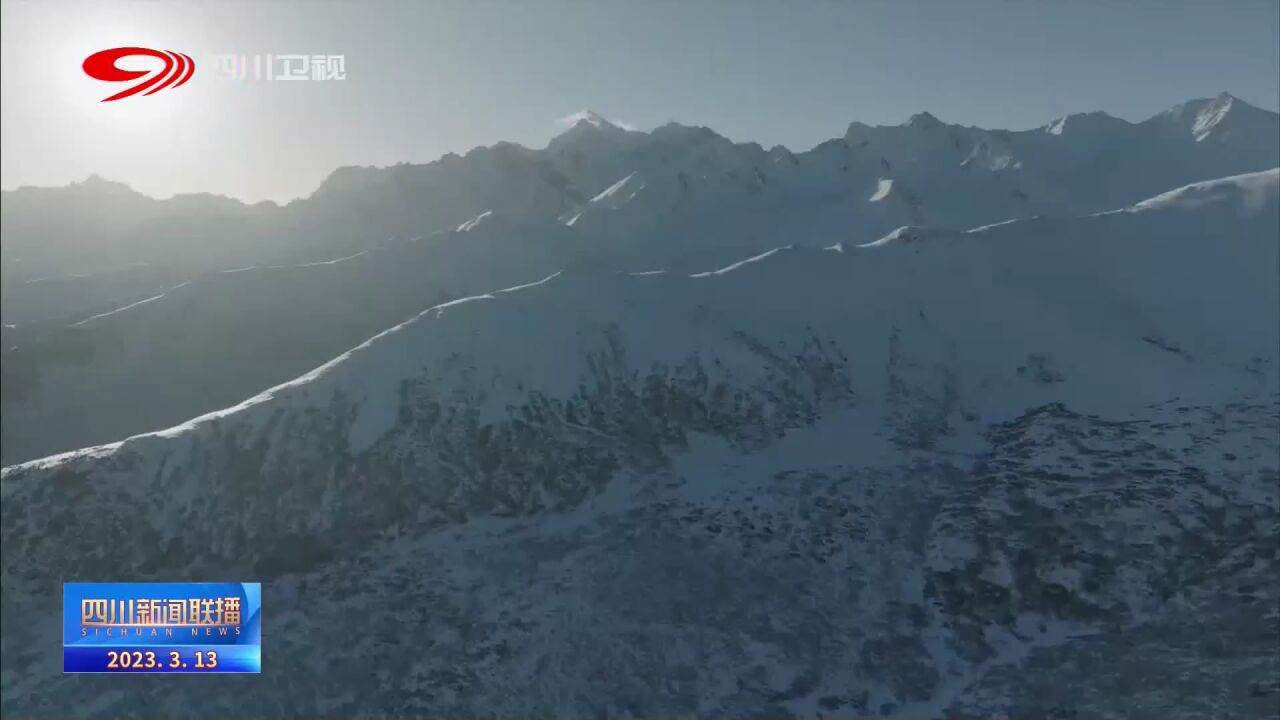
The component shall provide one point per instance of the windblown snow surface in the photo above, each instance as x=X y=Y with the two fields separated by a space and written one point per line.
x=1026 y=471
x=372 y=247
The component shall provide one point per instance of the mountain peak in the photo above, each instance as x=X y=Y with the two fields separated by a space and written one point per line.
x=591 y=138
x=1212 y=116
x=98 y=185
x=1087 y=121
x=924 y=120
x=1216 y=116
x=97 y=181
x=1224 y=100
x=592 y=119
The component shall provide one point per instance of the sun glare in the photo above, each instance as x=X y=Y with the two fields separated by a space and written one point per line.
x=82 y=96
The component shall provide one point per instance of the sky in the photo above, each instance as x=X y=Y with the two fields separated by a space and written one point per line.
x=428 y=77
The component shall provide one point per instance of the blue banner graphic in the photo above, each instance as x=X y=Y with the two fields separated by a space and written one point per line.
x=162 y=627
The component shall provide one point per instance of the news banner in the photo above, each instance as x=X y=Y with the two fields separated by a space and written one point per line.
x=162 y=627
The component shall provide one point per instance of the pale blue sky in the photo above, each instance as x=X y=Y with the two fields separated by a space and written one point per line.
x=430 y=77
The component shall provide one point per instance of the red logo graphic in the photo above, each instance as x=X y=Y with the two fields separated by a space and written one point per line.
x=178 y=69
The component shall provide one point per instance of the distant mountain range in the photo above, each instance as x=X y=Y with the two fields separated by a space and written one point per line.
x=926 y=422
x=158 y=309
x=933 y=173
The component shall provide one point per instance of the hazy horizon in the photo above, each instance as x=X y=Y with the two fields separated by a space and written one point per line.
x=424 y=80
x=562 y=125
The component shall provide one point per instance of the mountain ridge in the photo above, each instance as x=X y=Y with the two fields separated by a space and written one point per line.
x=1247 y=195
x=96 y=179
x=988 y=476
x=684 y=199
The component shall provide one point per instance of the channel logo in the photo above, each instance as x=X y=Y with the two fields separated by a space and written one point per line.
x=178 y=69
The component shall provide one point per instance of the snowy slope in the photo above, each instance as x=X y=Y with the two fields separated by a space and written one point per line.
x=877 y=479
x=680 y=198
x=305 y=313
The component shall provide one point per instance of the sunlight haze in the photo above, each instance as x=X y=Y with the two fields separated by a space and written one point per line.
x=425 y=79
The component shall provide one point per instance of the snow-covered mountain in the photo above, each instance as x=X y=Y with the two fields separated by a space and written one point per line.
x=122 y=316
x=1024 y=470
x=214 y=340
